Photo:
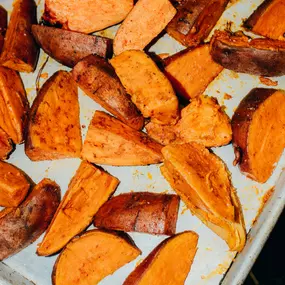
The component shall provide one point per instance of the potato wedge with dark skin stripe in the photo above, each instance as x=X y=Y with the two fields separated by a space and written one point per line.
x=97 y=78
x=92 y=257
x=19 y=227
x=3 y=25
x=6 y=145
x=169 y=263
x=259 y=132
x=237 y=52
x=139 y=212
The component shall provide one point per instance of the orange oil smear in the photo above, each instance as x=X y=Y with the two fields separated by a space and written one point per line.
x=149 y=176
x=227 y=96
x=267 y=81
x=44 y=75
x=184 y=209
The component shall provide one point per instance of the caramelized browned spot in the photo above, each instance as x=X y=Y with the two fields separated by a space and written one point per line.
x=6 y=145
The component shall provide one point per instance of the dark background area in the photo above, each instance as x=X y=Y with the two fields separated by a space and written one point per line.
x=269 y=268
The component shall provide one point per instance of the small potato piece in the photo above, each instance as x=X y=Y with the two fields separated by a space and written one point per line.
x=150 y=90
x=3 y=26
x=54 y=127
x=259 y=132
x=86 y=16
x=69 y=47
x=14 y=185
x=19 y=227
x=240 y=53
x=268 y=20
x=14 y=106
x=20 y=51
x=92 y=257
x=109 y=141
x=145 y=21
x=6 y=145
x=88 y=190
x=97 y=78
x=202 y=181
x=169 y=263
x=194 y=20
x=139 y=212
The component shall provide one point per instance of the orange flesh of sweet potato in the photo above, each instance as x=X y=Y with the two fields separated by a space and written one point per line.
x=145 y=21
x=150 y=90
x=69 y=47
x=14 y=185
x=191 y=71
x=19 y=227
x=14 y=105
x=87 y=16
x=97 y=78
x=93 y=256
x=139 y=212
x=195 y=20
x=20 y=51
x=202 y=181
x=169 y=263
x=54 y=127
x=259 y=132
x=268 y=20
x=109 y=141
x=3 y=26
x=88 y=190
x=6 y=145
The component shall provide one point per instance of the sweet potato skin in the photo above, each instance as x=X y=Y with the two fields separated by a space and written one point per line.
x=6 y=145
x=140 y=212
x=267 y=57
x=69 y=47
x=19 y=227
x=97 y=78
x=20 y=51
x=3 y=25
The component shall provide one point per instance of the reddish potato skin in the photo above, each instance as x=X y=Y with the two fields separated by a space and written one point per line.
x=140 y=212
x=19 y=227
x=68 y=47
x=3 y=26
x=6 y=145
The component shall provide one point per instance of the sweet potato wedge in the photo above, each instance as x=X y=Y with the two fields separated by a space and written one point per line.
x=194 y=20
x=88 y=16
x=6 y=145
x=191 y=71
x=109 y=141
x=97 y=78
x=54 y=127
x=202 y=181
x=259 y=132
x=88 y=190
x=20 y=51
x=140 y=212
x=14 y=105
x=69 y=47
x=19 y=227
x=264 y=57
x=101 y=254
x=14 y=185
x=3 y=25
x=268 y=20
x=150 y=90
x=146 y=21
x=169 y=263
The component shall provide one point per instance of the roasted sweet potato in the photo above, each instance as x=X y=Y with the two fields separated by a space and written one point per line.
x=259 y=132
x=54 y=127
x=268 y=20
x=3 y=26
x=14 y=105
x=92 y=257
x=20 y=51
x=109 y=141
x=191 y=71
x=97 y=78
x=19 y=227
x=146 y=21
x=87 y=16
x=6 y=145
x=240 y=53
x=140 y=212
x=14 y=185
x=88 y=190
x=169 y=263
x=150 y=90
x=202 y=181
x=69 y=47
x=195 y=20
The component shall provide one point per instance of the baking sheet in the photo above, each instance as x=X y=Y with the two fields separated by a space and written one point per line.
x=213 y=258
